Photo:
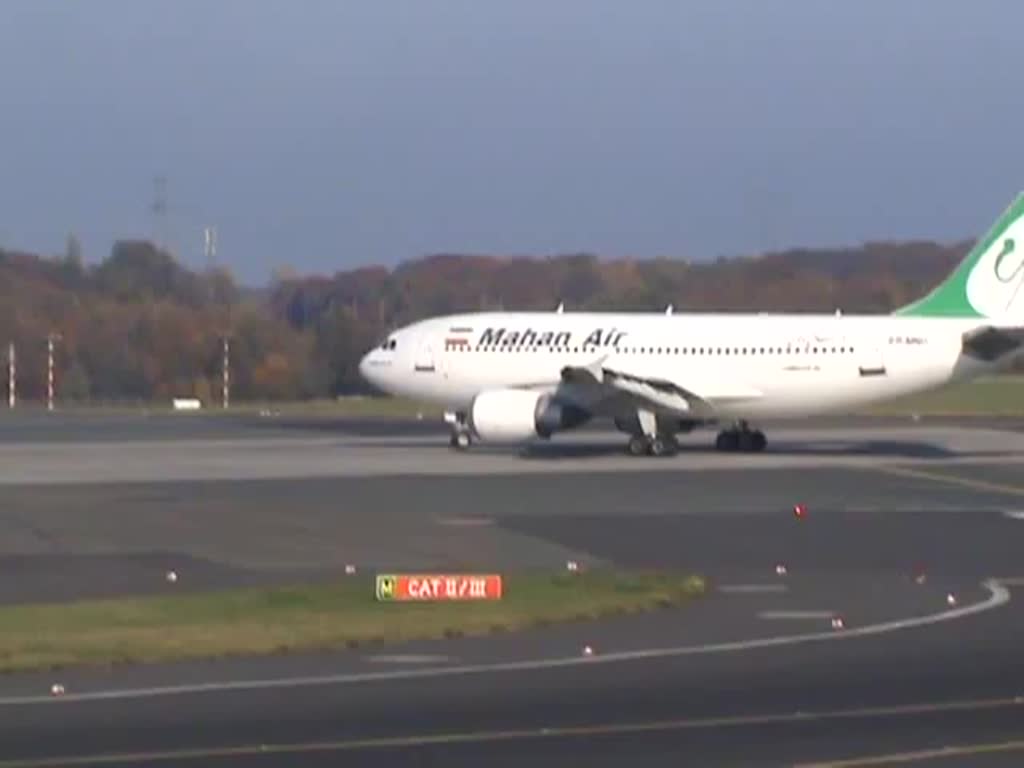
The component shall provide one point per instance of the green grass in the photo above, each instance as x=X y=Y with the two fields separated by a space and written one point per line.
x=355 y=406
x=380 y=407
x=995 y=396
x=304 y=618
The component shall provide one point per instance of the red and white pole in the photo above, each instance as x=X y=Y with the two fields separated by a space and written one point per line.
x=49 y=373
x=12 y=395
x=225 y=375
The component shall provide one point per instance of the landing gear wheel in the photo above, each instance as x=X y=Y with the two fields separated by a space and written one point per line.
x=760 y=442
x=742 y=439
x=460 y=441
x=661 y=447
x=637 y=446
x=745 y=441
x=727 y=441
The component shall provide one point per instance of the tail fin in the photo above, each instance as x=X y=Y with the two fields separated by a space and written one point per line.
x=988 y=282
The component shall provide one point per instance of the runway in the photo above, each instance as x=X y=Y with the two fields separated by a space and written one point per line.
x=912 y=536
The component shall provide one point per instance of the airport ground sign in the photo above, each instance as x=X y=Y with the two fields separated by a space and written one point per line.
x=438 y=587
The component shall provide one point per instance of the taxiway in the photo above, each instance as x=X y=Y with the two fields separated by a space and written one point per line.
x=899 y=517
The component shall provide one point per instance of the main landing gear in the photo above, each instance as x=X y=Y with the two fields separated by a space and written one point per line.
x=461 y=438
x=654 y=445
x=648 y=440
x=741 y=438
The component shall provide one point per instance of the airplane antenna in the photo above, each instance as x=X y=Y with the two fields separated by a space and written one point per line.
x=560 y=308
x=668 y=309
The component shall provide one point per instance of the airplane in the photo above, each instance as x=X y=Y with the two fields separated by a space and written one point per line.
x=517 y=377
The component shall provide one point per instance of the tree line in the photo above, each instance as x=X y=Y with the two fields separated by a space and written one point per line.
x=140 y=326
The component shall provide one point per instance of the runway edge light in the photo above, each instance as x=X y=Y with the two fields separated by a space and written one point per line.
x=438 y=587
x=920 y=574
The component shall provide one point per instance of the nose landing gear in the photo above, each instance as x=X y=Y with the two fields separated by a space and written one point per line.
x=461 y=438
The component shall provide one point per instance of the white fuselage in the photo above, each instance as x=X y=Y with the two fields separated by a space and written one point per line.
x=746 y=365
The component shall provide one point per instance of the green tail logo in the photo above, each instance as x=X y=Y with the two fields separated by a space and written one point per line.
x=1008 y=247
x=987 y=282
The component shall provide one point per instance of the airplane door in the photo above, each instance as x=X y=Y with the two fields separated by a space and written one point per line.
x=871 y=361
x=424 y=361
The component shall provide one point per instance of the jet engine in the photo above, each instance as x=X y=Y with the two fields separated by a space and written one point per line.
x=516 y=415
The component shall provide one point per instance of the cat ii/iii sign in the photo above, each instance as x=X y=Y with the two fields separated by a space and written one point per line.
x=430 y=587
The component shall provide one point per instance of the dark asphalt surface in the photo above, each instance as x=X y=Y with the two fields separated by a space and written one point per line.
x=950 y=683
x=98 y=540
x=649 y=713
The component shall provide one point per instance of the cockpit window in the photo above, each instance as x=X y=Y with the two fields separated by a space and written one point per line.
x=388 y=344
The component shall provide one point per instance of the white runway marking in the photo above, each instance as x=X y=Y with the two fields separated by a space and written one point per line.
x=407 y=658
x=794 y=615
x=998 y=595
x=752 y=589
x=465 y=522
x=1014 y=514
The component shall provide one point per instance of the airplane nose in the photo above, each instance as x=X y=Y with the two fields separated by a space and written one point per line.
x=364 y=367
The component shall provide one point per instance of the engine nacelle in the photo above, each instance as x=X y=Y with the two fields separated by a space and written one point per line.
x=516 y=415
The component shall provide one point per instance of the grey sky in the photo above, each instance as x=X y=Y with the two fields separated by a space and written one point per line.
x=325 y=134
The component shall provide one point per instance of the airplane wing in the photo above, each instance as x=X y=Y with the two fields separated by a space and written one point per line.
x=653 y=390
x=990 y=342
